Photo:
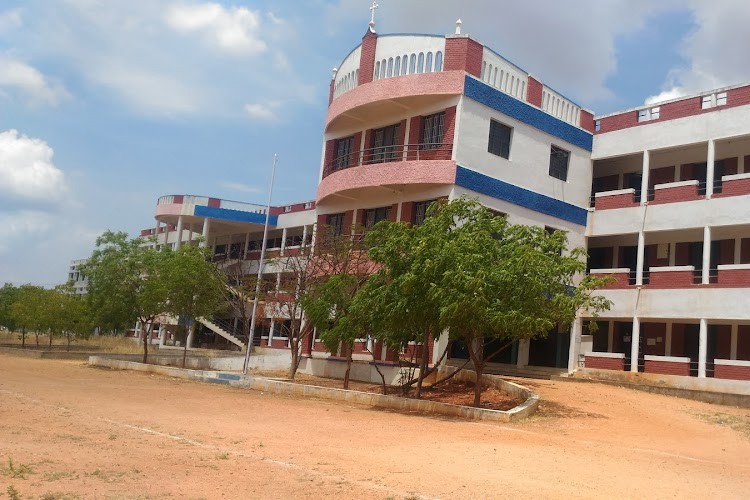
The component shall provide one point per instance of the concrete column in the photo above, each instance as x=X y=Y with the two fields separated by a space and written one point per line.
x=668 y=341
x=191 y=334
x=615 y=256
x=740 y=164
x=706 y=255
x=270 y=333
x=162 y=335
x=677 y=172
x=156 y=234
x=640 y=259
x=283 y=241
x=702 y=348
x=398 y=211
x=672 y=253
x=206 y=229
x=733 y=341
x=522 y=359
x=737 y=250
x=190 y=234
x=710 y=169
x=620 y=180
x=178 y=242
x=644 y=178
x=441 y=343
x=575 y=344
x=610 y=336
x=634 y=344
x=304 y=235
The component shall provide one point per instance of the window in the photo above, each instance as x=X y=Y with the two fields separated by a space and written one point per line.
x=336 y=222
x=432 y=131
x=711 y=100
x=343 y=153
x=420 y=212
x=647 y=114
x=420 y=63
x=706 y=101
x=499 y=142
x=439 y=61
x=384 y=144
x=597 y=125
x=558 y=163
x=375 y=215
x=721 y=99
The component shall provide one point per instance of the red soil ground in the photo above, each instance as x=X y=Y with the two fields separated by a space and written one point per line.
x=74 y=431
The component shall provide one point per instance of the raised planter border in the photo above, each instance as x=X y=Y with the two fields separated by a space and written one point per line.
x=528 y=407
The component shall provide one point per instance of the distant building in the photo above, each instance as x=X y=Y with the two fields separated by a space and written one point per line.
x=79 y=281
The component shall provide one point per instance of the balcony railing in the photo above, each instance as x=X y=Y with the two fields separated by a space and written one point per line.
x=389 y=154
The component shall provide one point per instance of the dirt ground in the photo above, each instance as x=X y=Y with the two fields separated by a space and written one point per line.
x=71 y=431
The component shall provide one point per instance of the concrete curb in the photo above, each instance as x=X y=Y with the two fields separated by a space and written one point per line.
x=521 y=411
x=42 y=354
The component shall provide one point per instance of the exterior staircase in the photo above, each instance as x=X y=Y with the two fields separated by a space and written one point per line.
x=223 y=330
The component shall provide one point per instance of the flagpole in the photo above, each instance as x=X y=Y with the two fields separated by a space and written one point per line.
x=260 y=268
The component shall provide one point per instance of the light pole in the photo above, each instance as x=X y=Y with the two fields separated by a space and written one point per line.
x=260 y=269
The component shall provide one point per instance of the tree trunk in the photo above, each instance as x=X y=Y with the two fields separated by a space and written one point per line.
x=50 y=339
x=146 y=336
x=382 y=377
x=348 y=366
x=423 y=366
x=475 y=351
x=68 y=337
x=23 y=338
x=36 y=332
x=184 y=349
x=294 y=349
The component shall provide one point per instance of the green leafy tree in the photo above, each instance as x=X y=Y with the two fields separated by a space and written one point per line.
x=27 y=310
x=469 y=271
x=69 y=315
x=196 y=286
x=128 y=281
x=8 y=295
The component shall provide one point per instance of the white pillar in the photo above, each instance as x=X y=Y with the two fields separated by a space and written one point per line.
x=677 y=172
x=398 y=209
x=206 y=229
x=668 y=341
x=610 y=336
x=634 y=344
x=710 y=169
x=615 y=256
x=733 y=342
x=644 y=178
x=156 y=234
x=522 y=357
x=737 y=250
x=706 y=255
x=270 y=333
x=702 y=348
x=740 y=164
x=620 y=180
x=191 y=334
x=441 y=343
x=640 y=259
x=178 y=242
x=304 y=235
x=575 y=344
x=672 y=253
x=283 y=241
x=162 y=335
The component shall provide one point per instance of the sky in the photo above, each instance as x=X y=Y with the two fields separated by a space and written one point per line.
x=105 y=105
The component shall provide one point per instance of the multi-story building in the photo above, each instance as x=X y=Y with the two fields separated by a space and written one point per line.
x=415 y=118
x=76 y=277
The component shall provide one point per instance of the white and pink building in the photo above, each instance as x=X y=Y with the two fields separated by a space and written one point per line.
x=659 y=195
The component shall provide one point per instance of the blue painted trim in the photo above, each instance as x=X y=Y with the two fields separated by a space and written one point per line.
x=501 y=190
x=526 y=113
x=234 y=215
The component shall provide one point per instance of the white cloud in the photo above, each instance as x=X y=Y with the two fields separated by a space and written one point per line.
x=235 y=30
x=27 y=174
x=715 y=52
x=243 y=188
x=10 y=20
x=666 y=95
x=21 y=225
x=263 y=111
x=17 y=75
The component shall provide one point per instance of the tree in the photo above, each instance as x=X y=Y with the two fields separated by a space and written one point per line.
x=27 y=310
x=127 y=282
x=69 y=315
x=196 y=286
x=8 y=295
x=469 y=271
x=341 y=268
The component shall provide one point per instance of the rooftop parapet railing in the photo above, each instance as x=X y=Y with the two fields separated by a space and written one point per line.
x=389 y=154
x=211 y=202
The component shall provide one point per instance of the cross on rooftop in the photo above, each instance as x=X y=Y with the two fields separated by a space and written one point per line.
x=372 y=12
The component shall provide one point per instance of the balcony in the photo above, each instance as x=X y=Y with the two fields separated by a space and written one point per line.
x=397 y=165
